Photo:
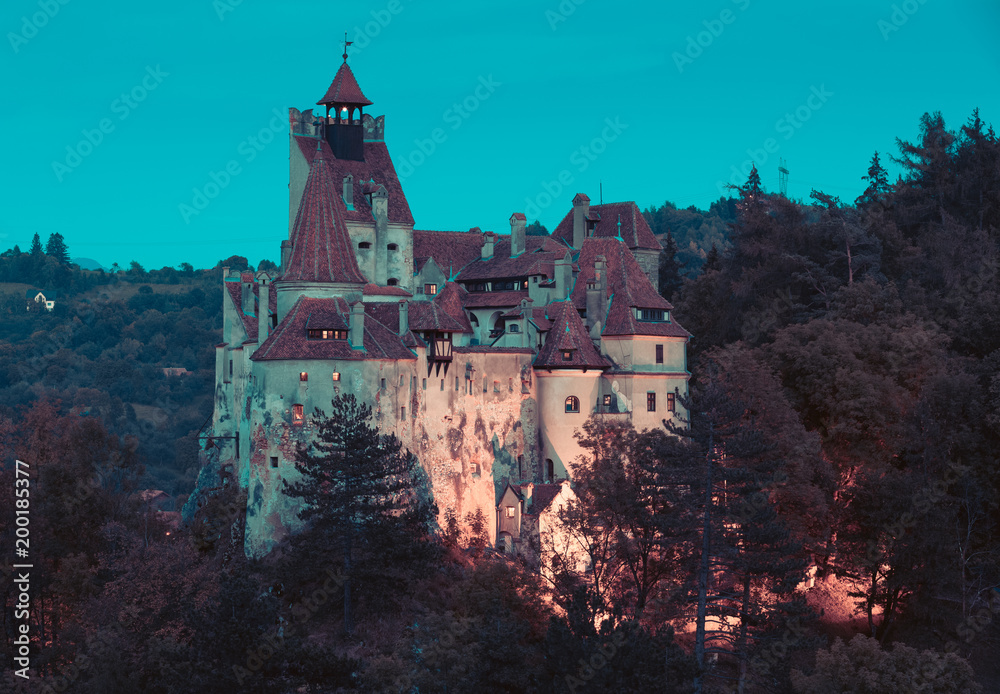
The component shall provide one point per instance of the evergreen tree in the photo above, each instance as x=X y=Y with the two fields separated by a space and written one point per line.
x=359 y=490
x=671 y=279
x=536 y=228
x=712 y=261
x=36 y=247
x=56 y=248
x=878 y=184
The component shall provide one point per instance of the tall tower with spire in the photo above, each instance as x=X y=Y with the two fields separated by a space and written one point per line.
x=345 y=132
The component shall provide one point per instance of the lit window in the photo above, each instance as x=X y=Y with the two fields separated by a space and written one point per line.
x=607 y=401
x=297 y=415
x=430 y=289
x=509 y=511
x=671 y=402
x=659 y=354
x=326 y=334
x=651 y=402
x=568 y=355
x=336 y=375
x=572 y=404
x=303 y=376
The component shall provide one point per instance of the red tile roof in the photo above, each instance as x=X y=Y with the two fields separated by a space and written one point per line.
x=535 y=314
x=451 y=250
x=377 y=165
x=539 y=258
x=627 y=286
x=634 y=230
x=494 y=299
x=376 y=290
x=542 y=496
x=486 y=349
x=321 y=245
x=568 y=334
x=289 y=340
x=344 y=89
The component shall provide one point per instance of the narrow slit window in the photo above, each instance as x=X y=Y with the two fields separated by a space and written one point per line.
x=659 y=354
x=651 y=402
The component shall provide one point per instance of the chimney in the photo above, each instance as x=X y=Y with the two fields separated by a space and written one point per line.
x=404 y=317
x=349 y=191
x=564 y=277
x=596 y=291
x=518 y=222
x=246 y=298
x=380 y=209
x=264 y=317
x=490 y=238
x=356 y=334
x=581 y=210
x=286 y=255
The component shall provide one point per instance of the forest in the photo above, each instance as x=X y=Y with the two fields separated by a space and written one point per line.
x=827 y=521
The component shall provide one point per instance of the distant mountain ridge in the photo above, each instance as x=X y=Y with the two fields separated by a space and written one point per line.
x=88 y=264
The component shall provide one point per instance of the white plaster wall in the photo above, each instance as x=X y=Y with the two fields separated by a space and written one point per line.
x=556 y=426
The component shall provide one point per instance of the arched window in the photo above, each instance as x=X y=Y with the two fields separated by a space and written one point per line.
x=364 y=245
x=392 y=247
x=392 y=282
x=572 y=404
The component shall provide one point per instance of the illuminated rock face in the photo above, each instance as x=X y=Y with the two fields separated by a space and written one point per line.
x=483 y=353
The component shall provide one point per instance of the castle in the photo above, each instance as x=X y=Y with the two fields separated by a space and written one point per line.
x=484 y=353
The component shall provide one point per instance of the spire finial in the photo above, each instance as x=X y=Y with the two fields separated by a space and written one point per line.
x=346 y=44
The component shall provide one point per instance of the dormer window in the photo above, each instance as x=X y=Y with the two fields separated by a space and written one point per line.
x=392 y=247
x=653 y=315
x=567 y=355
x=364 y=245
x=314 y=334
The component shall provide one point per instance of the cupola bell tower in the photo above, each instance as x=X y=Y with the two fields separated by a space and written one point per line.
x=345 y=104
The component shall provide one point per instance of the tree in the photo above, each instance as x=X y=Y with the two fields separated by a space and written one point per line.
x=359 y=488
x=56 y=248
x=878 y=184
x=235 y=262
x=267 y=266
x=671 y=279
x=536 y=228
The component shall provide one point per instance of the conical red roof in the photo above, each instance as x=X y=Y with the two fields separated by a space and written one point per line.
x=321 y=246
x=344 y=89
x=568 y=337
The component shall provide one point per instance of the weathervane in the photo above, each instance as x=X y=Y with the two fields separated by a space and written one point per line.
x=346 y=44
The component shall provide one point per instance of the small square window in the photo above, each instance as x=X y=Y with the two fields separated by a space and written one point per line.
x=274 y=461
x=651 y=402
x=303 y=376
x=336 y=375
x=509 y=511
x=659 y=354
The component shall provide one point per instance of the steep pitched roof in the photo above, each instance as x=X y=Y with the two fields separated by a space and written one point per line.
x=493 y=299
x=290 y=339
x=377 y=165
x=542 y=496
x=539 y=258
x=568 y=334
x=627 y=286
x=634 y=230
x=321 y=245
x=344 y=89
x=451 y=250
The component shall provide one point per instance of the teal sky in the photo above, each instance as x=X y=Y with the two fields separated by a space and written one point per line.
x=215 y=72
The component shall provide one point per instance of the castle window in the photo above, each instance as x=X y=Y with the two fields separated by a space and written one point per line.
x=402 y=380
x=230 y=369
x=392 y=282
x=392 y=247
x=402 y=413
x=315 y=334
x=671 y=402
x=237 y=446
x=457 y=384
x=649 y=314
x=567 y=355
x=424 y=384
x=274 y=461
x=496 y=386
x=509 y=511
x=514 y=328
x=336 y=375
x=298 y=416
x=442 y=384
x=607 y=401
x=364 y=245
x=572 y=404
x=651 y=402
x=382 y=384
x=303 y=376
x=659 y=354
x=430 y=289
x=550 y=470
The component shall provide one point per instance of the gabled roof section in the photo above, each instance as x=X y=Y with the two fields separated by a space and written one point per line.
x=376 y=166
x=290 y=341
x=321 y=245
x=628 y=287
x=568 y=334
x=344 y=89
x=451 y=250
x=634 y=229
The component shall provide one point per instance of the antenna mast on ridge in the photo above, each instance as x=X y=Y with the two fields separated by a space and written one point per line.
x=782 y=178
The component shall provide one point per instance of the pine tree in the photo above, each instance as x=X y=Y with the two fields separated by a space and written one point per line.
x=36 y=247
x=56 y=248
x=878 y=184
x=671 y=279
x=712 y=260
x=359 y=489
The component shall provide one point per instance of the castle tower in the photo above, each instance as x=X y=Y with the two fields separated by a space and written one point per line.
x=345 y=132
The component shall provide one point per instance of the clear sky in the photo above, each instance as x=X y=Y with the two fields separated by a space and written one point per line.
x=694 y=90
